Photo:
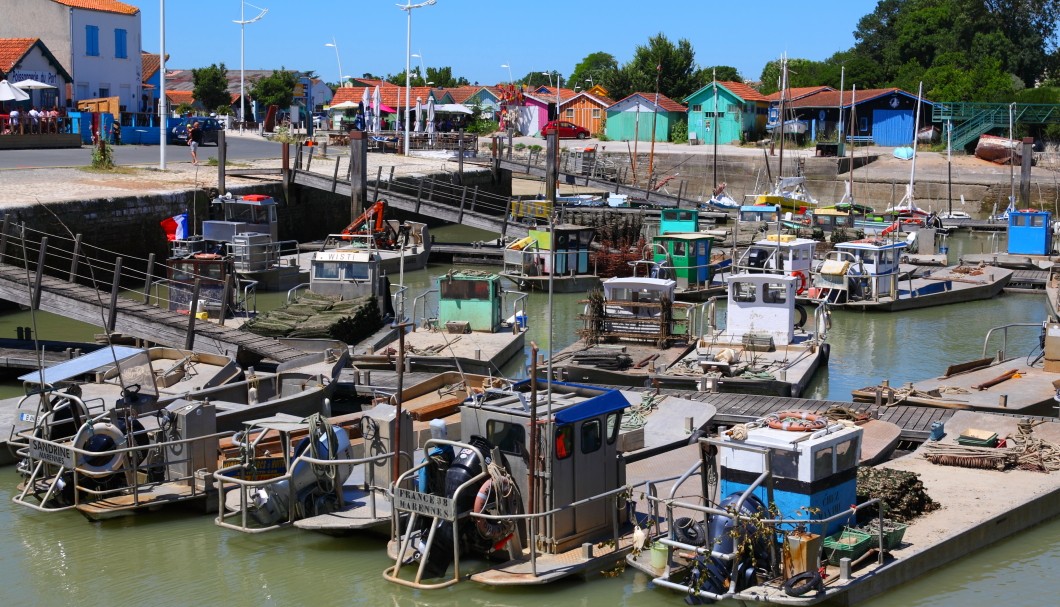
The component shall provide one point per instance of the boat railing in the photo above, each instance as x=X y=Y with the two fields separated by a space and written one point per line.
x=247 y=486
x=516 y=298
x=246 y=295
x=251 y=257
x=1001 y=354
x=293 y=292
x=420 y=299
x=24 y=420
x=133 y=465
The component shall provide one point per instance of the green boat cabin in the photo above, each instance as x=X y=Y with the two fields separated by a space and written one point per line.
x=471 y=297
x=687 y=256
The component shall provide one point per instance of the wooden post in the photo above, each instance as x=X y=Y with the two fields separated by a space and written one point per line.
x=359 y=173
x=463 y=197
x=335 y=177
x=35 y=303
x=378 y=178
x=285 y=167
x=3 y=238
x=419 y=195
x=1025 y=172
x=430 y=190
x=74 y=258
x=474 y=198
x=551 y=166
x=390 y=180
x=460 y=156
x=495 y=159
x=226 y=296
x=189 y=339
x=222 y=160
x=504 y=226
x=509 y=145
x=148 y=280
x=680 y=191
x=309 y=161
x=115 y=286
x=298 y=157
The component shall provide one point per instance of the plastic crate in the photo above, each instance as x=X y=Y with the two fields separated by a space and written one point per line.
x=847 y=544
x=893 y=533
x=977 y=439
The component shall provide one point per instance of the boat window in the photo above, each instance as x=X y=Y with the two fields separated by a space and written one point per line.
x=1037 y=221
x=743 y=291
x=846 y=455
x=612 y=427
x=212 y=270
x=328 y=270
x=591 y=436
x=821 y=221
x=703 y=248
x=679 y=248
x=585 y=238
x=564 y=442
x=355 y=271
x=822 y=463
x=508 y=437
x=786 y=464
x=465 y=289
x=845 y=221
x=775 y=294
x=684 y=215
x=1019 y=220
x=183 y=271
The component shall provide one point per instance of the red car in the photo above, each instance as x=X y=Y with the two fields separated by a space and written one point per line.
x=567 y=130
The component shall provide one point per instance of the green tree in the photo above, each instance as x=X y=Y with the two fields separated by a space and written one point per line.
x=275 y=89
x=443 y=77
x=674 y=65
x=952 y=78
x=593 y=67
x=724 y=73
x=211 y=86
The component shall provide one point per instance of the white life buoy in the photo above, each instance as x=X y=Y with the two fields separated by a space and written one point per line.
x=87 y=463
x=491 y=530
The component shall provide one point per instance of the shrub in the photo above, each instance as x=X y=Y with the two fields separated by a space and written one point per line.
x=102 y=155
x=679 y=132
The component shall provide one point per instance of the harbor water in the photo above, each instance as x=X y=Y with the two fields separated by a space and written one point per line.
x=181 y=558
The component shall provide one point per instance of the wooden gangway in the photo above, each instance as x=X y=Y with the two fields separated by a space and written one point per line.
x=30 y=262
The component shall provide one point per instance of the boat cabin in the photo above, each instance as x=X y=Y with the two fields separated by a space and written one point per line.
x=814 y=474
x=638 y=308
x=762 y=305
x=568 y=244
x=1030 y=232
x=673 y=221
x=470 y=297
x=349 y=274
x=779 y=254
x=759 y=213
x=211 y=270
x=686 y=258
x=829 y=220
x=872 y=257
x=253 y=213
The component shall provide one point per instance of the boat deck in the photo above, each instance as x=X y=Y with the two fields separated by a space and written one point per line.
x=475 y=351
x=358 y=514
x=150 y=497
x=1031 y=392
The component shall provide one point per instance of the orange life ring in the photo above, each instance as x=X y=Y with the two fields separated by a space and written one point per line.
x=491 y=530
x=797 y=421
x=800 y=288
x=207 y=256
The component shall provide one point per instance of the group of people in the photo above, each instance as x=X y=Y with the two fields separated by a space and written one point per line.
x=35 y=121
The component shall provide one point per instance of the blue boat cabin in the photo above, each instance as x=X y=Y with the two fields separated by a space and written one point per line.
x=1029 y=232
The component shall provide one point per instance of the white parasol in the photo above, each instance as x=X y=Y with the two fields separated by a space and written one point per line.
x=430 y=114
x=10 y=93
x=416 y=117
x=367 y=109
x=376 y=104
x=30 y=84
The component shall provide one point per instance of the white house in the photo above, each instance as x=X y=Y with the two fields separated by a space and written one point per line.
x=96 y=41
x=29 y=59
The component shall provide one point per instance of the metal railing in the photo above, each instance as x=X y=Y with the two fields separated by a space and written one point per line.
x=1004 y=336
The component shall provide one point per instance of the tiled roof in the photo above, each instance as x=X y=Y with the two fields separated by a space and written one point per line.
x=149 y=63
x=389 y=94
x=178 y=97
x=598 y=99
x=460 y=94
x=831 y=98
x=12 y=50
x=664 y=102
x=743 y=91
x=798 y=92
x=545 y=92
x=107 y=6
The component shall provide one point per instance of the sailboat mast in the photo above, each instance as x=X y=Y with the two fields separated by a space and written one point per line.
x=714 y=121
x=783 y=89
x=916 y=128
x=849 y=196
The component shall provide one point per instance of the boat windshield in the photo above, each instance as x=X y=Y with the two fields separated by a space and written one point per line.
x=465 y=289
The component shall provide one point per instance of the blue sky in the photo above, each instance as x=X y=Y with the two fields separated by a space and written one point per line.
x=475 y=37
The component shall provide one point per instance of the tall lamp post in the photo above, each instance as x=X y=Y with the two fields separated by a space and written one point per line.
x=162 y=113
x=337 y=58
x=407 y=7
x=243 y=21
x=509 y=72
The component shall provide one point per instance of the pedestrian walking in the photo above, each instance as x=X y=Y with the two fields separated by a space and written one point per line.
x=195 y=140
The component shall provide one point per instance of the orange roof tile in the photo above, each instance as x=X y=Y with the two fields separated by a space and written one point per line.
x=389 y=94
x=831 y=98
x=798 y=92
x=745 y=92
x=107 y=6
x=179 y=97
x=598 y=99
x=12 y=50
x=149 y=63
x=460 y=94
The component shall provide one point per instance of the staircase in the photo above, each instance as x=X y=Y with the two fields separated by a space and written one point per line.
x=970 y=120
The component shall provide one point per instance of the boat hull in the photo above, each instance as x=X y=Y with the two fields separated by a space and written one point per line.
x=560 y=284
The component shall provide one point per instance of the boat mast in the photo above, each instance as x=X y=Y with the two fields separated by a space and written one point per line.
x=848 y=196
x=912 y=170
x=780 y=116
x=714 y=120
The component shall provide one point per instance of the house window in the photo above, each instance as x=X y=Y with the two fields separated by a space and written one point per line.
x=596 y=113
x=92 y=40
x=570 y=114
x=697 y=108
x=120 y=37
x=863 y=124
x=104 y=90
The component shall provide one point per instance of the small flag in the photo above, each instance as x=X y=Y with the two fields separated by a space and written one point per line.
x=176 y=227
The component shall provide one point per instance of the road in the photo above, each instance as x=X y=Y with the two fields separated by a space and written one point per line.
x=247 y=147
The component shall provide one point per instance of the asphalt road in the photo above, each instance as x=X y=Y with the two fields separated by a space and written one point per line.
x=239 y=148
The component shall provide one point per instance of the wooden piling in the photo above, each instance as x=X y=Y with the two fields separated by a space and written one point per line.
x=115 y=288
x=74 y=257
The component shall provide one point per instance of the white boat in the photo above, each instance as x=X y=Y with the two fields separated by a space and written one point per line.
x=398 y=246
x=558 y=257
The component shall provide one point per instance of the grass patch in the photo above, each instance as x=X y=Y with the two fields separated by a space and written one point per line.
x=212 y=161
x=115 y=170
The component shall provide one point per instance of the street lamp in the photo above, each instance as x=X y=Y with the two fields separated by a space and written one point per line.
x=336 y=45
x=423 y=70
x=407 y=7
x=549 y=74
x=509 y=72
x=243 y=21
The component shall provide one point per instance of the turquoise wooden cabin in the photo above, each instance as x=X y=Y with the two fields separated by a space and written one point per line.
x=687 y=256
x=472 y=297
x=675 y=221
x=738 y=112
x=631 y=118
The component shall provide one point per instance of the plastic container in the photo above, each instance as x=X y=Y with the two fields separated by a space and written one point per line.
x=849 y=543
x=658 y=555
x=520 y=317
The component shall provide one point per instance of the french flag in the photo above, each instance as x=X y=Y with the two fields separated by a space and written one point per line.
x=176 y=227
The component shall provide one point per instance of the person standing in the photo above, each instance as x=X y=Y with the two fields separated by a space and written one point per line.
x=195 y=140
x=13 y=118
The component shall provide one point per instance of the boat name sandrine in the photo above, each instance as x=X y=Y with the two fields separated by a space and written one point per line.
x=424 y=503
x=51 y=453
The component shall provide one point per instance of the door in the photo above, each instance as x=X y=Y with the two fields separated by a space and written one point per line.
x=892 y=127
x=591 y=476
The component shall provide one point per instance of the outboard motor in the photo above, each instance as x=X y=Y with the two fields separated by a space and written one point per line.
x=710 y=573
x=314 y=485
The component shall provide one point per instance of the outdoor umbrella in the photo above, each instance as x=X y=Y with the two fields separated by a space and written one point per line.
x=377 y=104
x=430 y=114
x=10 y=93
x=29 y=83
x=416 y=117
x=365 y=111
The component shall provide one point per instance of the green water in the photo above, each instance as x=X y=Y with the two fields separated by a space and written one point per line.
x=180 y=558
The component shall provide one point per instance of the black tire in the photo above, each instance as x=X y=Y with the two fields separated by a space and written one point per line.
x=582 y=136
x=800 y=316
x=800 y=584
x=689 y=531
x=826 y=349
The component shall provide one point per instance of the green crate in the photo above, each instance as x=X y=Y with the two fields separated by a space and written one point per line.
x=847 y=544
x=893 y=533
x=968 y=441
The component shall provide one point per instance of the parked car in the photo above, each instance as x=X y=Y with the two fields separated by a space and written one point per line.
x=210 y=127
x=567 y=130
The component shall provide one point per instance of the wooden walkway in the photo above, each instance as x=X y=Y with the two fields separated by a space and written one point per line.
x=138 y=319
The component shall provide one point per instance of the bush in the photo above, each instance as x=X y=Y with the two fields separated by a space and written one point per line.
x=679 y=132
x=102 y=155
x=482 y=127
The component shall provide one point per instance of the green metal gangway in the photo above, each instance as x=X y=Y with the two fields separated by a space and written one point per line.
x=970 y=120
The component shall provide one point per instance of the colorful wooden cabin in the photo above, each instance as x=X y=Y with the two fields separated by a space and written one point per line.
x=470 y=297
x=686 y=256
x=1030 y=232
x=759 y=212
x=829 y=220
x=673 y=221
